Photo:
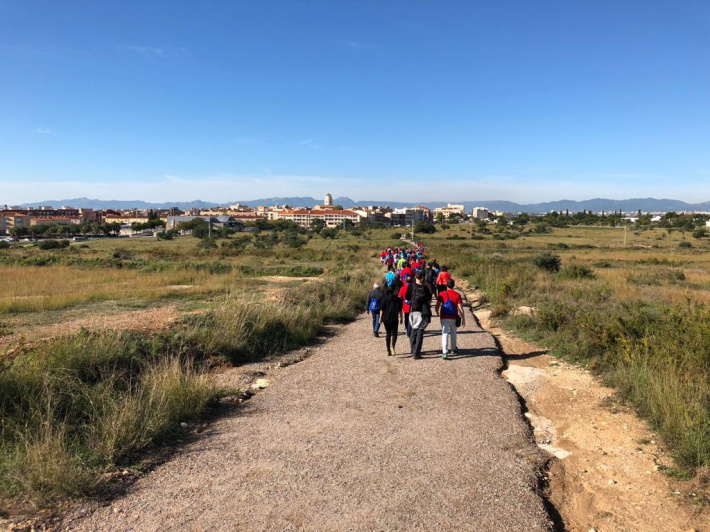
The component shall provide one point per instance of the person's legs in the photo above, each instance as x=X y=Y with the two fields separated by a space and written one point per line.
x=395 y=331
x=375 y=323
x=407 y=325
x=445 y=328
x=418 y=335
x=454 y=347
x=388 y=337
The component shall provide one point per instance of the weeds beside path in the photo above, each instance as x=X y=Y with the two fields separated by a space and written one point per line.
x=353 y=439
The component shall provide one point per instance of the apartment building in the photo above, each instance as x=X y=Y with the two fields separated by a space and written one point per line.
x=408 y=215
x=332 y=218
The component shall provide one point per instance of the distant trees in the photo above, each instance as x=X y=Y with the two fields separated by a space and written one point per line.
x=424 y=227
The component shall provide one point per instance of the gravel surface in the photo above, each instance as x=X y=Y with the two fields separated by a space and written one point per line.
x=351 y=439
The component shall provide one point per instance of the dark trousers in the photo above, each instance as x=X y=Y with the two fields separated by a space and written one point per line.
x=415 y=340
x=407 y=325
x=391 y=334
x=375 y=322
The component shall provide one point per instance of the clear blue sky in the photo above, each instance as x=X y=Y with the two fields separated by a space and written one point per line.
x=449 y=100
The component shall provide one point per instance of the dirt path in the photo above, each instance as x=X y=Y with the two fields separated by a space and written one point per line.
x=351 y=439
x=607 y=477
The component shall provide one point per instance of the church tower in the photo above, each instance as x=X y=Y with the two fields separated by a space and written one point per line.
x=328 y=200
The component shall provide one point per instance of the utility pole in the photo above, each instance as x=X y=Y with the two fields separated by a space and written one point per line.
x=412 y=230
x=626 y=225
x=209 y=231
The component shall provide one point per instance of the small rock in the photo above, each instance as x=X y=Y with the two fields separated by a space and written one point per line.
x=611 y=482
x=183 y=425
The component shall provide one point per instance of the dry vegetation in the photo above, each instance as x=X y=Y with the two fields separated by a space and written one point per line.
x=637 y=313
x=82 y=405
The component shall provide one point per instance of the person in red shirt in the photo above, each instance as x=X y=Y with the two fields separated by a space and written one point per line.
x=442 y=279
x=406 y=272
x=405 y=305
x=449 y=306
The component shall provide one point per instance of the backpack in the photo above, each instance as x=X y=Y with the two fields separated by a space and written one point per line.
x=448 y=308
x=375 y=305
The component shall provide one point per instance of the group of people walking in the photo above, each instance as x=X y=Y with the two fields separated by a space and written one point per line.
x=405 y=296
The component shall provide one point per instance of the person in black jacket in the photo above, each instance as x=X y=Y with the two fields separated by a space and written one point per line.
x=420 y=312
x=390 y=317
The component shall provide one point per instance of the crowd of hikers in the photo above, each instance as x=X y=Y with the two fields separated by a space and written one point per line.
x=405 y=296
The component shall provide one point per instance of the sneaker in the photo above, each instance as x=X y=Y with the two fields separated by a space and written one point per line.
x=455 y=350
x=394 y=353
x=444 y=356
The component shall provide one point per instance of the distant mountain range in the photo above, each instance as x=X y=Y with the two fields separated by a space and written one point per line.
x=594 y=205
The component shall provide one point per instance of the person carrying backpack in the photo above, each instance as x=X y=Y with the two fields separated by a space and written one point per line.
x=389 y=315
x=374 y=305
x=420 y=313
x=449 y=307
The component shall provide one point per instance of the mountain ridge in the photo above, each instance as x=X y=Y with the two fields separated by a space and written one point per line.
x=594 y=205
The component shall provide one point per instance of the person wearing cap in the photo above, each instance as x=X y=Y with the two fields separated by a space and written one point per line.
x=374 y=305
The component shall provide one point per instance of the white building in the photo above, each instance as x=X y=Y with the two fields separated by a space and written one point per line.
x=450 y=209
x=332 y=218
x=480 y=213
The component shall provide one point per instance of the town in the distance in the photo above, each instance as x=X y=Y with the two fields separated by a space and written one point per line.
x=21 y=222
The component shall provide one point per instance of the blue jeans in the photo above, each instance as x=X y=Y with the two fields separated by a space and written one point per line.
x=375 y=322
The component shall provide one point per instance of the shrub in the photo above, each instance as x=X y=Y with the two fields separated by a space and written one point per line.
x=685 y=244
x=396 y=236
x=548 y=261
x=207 y=243
x=603 y=264
x=424 y=227
x=577 y=271
x=49 y=244
x=4 y=245
x=329 y=232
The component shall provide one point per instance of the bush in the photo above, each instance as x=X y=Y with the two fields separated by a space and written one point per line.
x=603 y=264
x=685 y=244
x=4 y=245
x=577 y=271
x=396 y=236
x=424 y=227
x=207 y=243
x=548 y=262
x=52 y=244
x=74 y=408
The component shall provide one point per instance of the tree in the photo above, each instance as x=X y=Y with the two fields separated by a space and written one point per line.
x=439 y=217
x=424 y=227
x=700 y=233
x=317 y=225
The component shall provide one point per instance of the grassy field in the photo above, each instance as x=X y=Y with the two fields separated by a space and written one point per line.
x=85 y=402
x=635 y=313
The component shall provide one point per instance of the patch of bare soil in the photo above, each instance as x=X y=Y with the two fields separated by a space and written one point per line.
x=152 y=319
x=606 y=465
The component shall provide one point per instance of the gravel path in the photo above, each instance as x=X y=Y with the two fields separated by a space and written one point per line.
x=350 y=439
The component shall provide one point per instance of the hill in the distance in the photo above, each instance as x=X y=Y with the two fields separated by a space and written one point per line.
x=594 y=205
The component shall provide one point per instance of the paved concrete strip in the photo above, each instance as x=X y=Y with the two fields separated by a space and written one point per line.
x=351 y=439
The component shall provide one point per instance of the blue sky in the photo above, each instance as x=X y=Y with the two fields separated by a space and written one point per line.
x=167 y=100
